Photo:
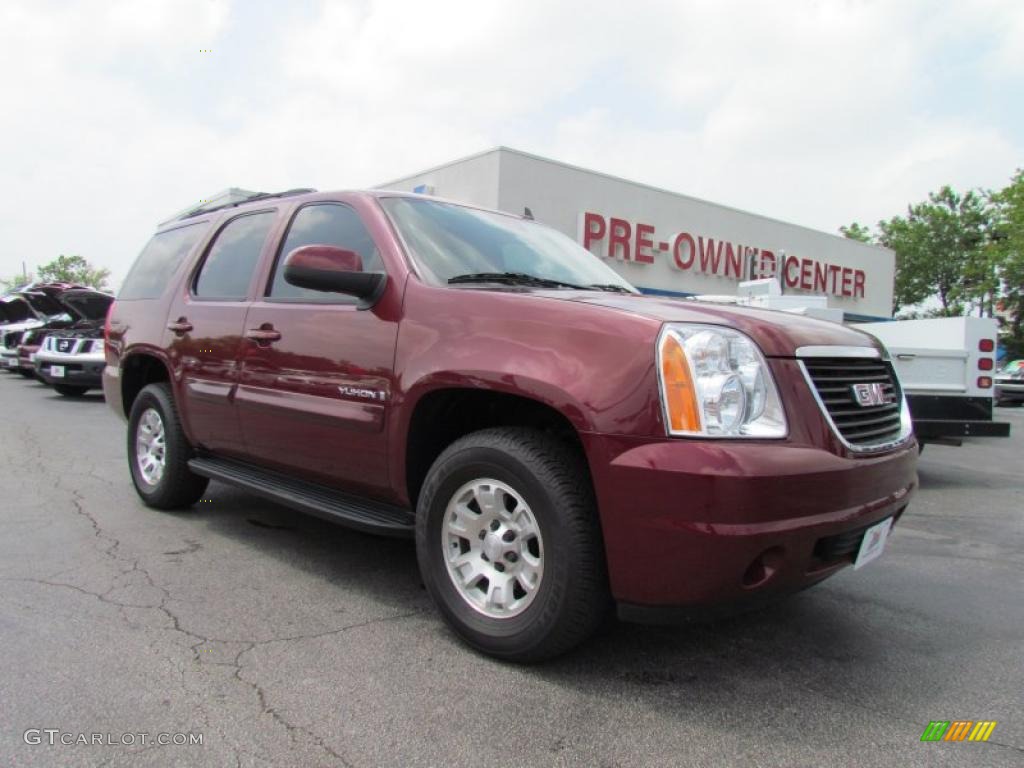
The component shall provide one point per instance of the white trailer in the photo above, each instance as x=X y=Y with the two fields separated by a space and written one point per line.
x=945 y=366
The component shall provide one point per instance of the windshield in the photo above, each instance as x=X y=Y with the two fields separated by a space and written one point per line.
x=450 y=241
x=1013 y=367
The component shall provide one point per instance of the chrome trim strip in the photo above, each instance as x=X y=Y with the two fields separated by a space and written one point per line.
x=905 y=436
x=861 y=352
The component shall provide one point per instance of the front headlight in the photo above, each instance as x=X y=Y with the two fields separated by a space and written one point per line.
x=715 y=383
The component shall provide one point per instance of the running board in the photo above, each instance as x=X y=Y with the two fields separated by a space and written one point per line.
x=339 y=507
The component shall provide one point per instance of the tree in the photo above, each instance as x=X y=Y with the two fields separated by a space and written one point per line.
x=74 y=269
x=941 y=251
x=15 y=282
x=857 y=232
x=1007 y=252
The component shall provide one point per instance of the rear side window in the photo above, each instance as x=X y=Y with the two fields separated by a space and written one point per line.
x=230 y=262
x=324 y=224
x=152 y=271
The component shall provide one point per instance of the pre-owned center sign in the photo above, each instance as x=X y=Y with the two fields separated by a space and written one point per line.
x=669 y=243
x=694 y=251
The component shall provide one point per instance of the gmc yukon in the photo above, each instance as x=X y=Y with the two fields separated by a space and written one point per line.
x=556 y=442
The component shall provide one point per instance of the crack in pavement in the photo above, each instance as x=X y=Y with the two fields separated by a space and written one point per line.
x=111 y=548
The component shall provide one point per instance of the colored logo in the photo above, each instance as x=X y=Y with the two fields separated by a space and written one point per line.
x=958 y=730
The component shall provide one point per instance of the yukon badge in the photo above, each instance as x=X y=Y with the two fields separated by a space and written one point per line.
x=365 y=394
x=868 y=395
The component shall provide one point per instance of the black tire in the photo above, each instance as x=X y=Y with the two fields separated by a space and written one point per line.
x=26 y=373
x=552 y=478
x=179 y=487
x=70 y=390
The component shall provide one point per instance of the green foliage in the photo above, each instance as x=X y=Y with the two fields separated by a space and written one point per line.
x=942 y=251
x=15 y=282
x=1006 y=250
x=74 y=269
x=965 y=251
x=856 y=232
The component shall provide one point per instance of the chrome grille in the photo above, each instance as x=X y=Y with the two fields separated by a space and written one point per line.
x=861 y=426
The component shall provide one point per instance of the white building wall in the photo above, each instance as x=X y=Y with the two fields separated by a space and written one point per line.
x=687 y=245
x=472 y=180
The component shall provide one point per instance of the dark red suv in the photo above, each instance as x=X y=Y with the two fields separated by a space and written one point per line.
x=555 y=441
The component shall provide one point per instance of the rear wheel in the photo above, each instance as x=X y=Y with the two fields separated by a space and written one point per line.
x=69 y=390
x=158 y=452
x=509 y=546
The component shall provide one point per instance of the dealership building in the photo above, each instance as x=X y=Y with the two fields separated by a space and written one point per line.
x=668 y=243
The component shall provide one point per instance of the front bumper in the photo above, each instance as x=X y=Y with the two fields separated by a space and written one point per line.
x=85 y=370
x=693 y=524
x=9 y=359
x=1009 y=391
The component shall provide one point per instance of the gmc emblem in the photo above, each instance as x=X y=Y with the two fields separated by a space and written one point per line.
x=871 y=394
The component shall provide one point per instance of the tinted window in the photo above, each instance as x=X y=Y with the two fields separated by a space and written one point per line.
x=326 y=224
x=156 y=264
x=449 y=240
x=232 y=258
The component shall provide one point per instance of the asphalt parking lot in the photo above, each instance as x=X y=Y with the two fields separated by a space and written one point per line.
x=286 y=641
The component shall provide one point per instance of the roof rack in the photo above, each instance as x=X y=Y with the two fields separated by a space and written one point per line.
x=251 y=198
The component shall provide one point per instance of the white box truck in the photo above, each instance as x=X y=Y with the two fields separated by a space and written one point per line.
x=946 y=366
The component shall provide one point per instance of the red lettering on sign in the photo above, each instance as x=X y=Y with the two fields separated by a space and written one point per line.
x=644 y=240
x=805 y=273
x=858 y=283
x=792 y=279
x=833 y=271
x=710 y=255
x=620 y=233
x=820 y=276
x=767 y=258
x=593 y=228
x=680 y=259
x=847 y=281
x=733 y=259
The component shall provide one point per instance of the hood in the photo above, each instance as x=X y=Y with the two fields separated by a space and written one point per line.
x=777 y=333
x=14 y=309
x=86 y=305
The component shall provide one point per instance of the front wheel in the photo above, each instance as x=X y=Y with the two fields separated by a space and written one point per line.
x=158 y=452
x=509 y=545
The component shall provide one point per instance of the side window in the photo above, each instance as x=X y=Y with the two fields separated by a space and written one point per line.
x=154 y=267
x=324 y=224
x=229 y=264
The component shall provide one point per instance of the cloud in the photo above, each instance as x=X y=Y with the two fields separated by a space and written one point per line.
x=813 y=112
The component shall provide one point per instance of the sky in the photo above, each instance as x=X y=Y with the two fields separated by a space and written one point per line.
x=118 y=113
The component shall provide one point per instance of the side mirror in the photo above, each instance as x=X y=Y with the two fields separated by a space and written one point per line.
x=336 y=270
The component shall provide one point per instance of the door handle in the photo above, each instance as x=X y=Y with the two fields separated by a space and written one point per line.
x=263 y=335
x=181 y=326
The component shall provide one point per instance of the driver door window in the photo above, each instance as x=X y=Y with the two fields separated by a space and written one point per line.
x=323 y=224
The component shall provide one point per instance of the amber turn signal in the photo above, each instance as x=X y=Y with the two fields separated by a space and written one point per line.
x=680 y=396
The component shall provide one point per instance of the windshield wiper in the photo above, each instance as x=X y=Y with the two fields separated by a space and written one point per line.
x=512 y=278
x=613 y=287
